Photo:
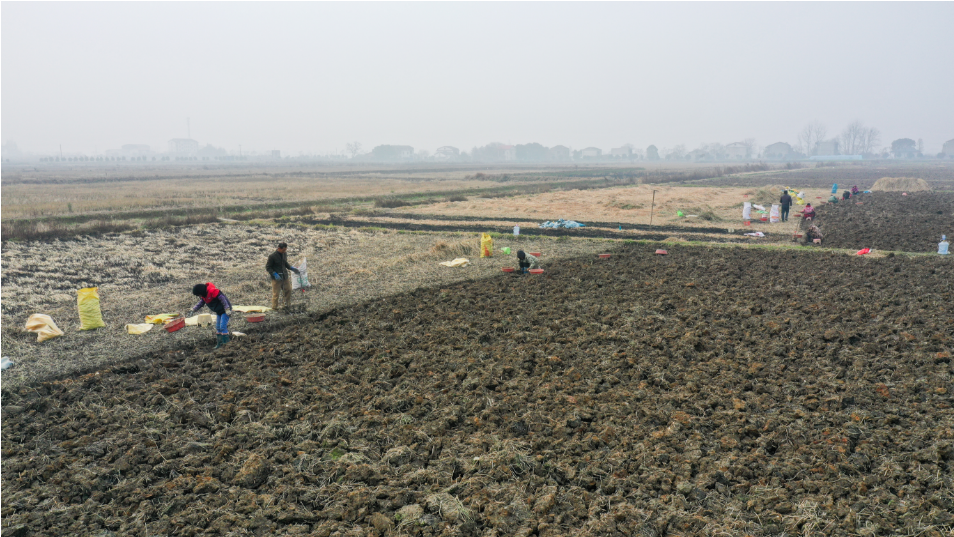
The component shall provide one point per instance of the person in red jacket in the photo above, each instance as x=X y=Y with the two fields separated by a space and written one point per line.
x=809 y=213
x=217 y=302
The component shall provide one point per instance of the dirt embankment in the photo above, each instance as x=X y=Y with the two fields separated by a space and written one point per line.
x=699 y=393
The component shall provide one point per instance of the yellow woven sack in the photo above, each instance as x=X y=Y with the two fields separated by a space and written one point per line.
x=90 y=315
x=486 y=245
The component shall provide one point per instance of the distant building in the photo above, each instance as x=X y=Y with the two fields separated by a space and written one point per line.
x=736 y=151
x=447 y=153
x=622 y=152
x=183 y=147
x=560 y=153
x=211 y=152
x=591 y=152
x=698 y=154
x=836 y=157
x=136 y=150
x=392 y=153
x=778 y=150
x=132 y=151
x=826 y=148
x=948 y=149
x=509 y=152
x=276 y=153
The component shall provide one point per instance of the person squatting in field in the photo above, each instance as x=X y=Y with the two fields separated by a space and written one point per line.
x=277 y=268
x=527 y=261
x=812 y=234
x=809 y=212
x=218 y=303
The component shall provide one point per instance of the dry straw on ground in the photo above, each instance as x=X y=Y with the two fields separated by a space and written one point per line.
x=901 y=184
x=144 y=273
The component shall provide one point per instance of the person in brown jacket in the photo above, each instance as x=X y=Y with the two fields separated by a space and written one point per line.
x=277 y=268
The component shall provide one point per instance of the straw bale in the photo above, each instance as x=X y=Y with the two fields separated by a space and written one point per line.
x=901 y=184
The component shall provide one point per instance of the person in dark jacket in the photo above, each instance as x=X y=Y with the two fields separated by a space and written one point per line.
x=218 y=303
x=846 y=195
x=277 y=268
x=786 y=202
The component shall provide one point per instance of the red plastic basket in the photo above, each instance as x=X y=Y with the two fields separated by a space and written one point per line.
x=535 y=254
x=662 y=252
x=255 y=318
x=175 y=324
x=536 y=271
x=605 y=256
x=507 y=269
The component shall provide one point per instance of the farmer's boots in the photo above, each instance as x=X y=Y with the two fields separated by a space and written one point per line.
x=221 y=340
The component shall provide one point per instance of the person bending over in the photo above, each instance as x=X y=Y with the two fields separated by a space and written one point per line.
x=527 y=261
x=217 y=302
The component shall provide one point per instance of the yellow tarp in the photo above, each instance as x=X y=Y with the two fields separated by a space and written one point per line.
x=160 y=318
x=459 y=262
x=138 y=328
x=251 y=309
x=90 y=315
x=44 y=327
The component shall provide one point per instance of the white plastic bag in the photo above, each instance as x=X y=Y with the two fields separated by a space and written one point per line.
x=747 y=210
x=301 y=279
x=776 y=215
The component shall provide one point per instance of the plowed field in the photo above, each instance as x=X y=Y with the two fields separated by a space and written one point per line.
x=889 y=221
x=939 y=174
x=712 y=391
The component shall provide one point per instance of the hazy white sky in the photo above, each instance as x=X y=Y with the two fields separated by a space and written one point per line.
x=312 y=76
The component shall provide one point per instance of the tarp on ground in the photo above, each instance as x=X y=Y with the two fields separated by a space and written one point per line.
x=43 y=326
x=561 y=223
x=251 y=309
x=141 y=328
x=459 y=262
x=160 y=318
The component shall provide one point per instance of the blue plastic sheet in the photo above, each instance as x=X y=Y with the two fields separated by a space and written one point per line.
x=561 y=223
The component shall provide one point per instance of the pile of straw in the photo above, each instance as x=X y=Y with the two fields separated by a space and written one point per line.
x=901 y=184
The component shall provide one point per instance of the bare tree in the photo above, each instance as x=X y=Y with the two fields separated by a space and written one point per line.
x=813 y=133
x=871 y=139
x=676 y=153
x=750 y=147
x=354 y=148
x=852 y=138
